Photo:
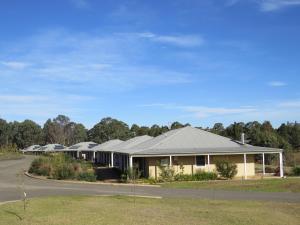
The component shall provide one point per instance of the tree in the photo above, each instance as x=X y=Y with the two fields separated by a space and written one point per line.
x=143 y=131
x=29 y=133
x=134 y=130
x=74 y=133
x=283 y=131
x=108 y=129
x=295 y=135
x=155 y=130
x=218 y=128
x=4 y=132
x=62 y=120
x=176 y=125
x=235 y=130
x=53 y=133
x=267 y=126
x=164 y=129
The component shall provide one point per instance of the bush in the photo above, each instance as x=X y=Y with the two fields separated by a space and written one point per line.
x=184 y=177
x=150 y=181
x=202 y=175
x=296 y=171
x=226 y=169
x=40 y=166
x=131 y=174
x=64 y=171
x=198 y=176
x=61 y=166
x=10 y=152
x=270 y=169
x=87 y=176
x=166 y=173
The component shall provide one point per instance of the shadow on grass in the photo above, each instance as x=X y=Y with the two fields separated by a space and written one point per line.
x=14 y=214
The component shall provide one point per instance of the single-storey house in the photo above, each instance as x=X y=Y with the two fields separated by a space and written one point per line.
x=82 y=150
x=31 y=149
x=119 y=154
x=37 y=149
x=192 y=149
x=51 y=148
x=186 y=150
x=102 y=154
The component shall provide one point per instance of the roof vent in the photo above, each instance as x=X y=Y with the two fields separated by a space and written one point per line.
x=243 y=138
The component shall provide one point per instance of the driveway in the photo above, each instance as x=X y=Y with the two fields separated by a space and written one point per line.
x=11 y=188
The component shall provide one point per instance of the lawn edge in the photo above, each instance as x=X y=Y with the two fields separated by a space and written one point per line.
x=86 y=182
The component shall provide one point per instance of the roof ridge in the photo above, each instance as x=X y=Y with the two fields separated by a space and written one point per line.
x=230 y=139
x=168 y=137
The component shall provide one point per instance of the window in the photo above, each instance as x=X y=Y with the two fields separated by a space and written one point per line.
x=200 y=160
x=164 y=162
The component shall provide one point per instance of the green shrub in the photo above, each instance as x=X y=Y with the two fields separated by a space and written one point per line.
x=40 y=166
x=202 y=175
x=166 y=173
x=10 y=152
x=183 y=177
x=150 y=181
x=87 y=176
x=296 y=171
x=63 y=171
x=226 y=169
x=131 y=174
x=60 y=166
x=270 y=169
x=198 y=176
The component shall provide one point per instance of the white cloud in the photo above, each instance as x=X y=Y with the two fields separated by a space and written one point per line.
x=272 y=5
x=106 y=65
x=178 y=40
x=268 y=5
x=41 y=107
x=275 y=111
x=203 y=111
x=21 y=98
x=231 y=2
x=290 y=104
x=277 y=84
x=81 y=4
x=15 y=65
x=63 y=70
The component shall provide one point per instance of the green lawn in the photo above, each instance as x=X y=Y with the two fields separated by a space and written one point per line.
x=124 y=210
x=267 y=185
x=4 y=155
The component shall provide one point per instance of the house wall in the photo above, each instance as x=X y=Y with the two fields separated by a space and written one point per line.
x=189 y=164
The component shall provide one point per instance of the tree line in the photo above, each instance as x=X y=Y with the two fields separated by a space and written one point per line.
x=63 y=131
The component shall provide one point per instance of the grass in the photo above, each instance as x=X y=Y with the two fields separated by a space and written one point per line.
x=125 y=210
x=265 y=185
x=6 y=155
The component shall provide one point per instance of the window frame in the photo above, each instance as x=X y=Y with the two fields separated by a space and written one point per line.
x=202 y=165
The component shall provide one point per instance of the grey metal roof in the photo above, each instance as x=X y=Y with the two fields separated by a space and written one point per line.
x=196 y=151
x=51 y=147
x=82 y=146
x=31 y=148
x=189 y=140
x=128 y=146
x=107 y=145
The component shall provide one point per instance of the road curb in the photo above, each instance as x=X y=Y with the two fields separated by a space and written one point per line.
x=86 y=182
x=6 y=202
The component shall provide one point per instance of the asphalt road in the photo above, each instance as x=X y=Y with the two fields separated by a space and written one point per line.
x=11 y=188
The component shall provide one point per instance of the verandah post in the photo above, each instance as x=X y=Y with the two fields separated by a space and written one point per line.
x=245 y=166
x=263 y=162
x=281 y=164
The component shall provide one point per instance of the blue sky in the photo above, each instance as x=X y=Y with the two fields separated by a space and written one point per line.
x=150 y=62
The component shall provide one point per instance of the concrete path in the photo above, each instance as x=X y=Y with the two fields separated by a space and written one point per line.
x=11 y=188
